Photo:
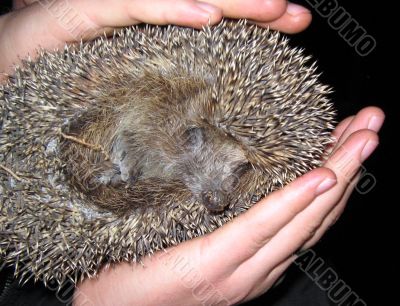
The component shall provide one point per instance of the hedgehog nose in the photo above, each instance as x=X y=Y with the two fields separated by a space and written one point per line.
x=214 y=200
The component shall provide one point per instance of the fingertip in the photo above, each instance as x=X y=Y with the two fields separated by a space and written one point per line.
x=325 y=185
x=295 y=9
x=320 y=174
x=325 y=178
x=375 y=115
x=274 y=8
x=255 y=10
x=289 y=23
x=312 y=183
x=299 y=23
x=369 y=147
x=209 y=9
x=369 y=118
x=362 y=136
x=358 y=146
x=325 y=172
x=207 y=13
x=372 y=110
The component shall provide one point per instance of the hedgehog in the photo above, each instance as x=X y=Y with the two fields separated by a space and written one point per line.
x=113 y=149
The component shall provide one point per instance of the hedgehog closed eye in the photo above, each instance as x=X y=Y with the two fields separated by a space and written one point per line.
x=193 y=136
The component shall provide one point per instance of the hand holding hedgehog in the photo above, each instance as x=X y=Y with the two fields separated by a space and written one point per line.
x=48 y=28
x=295 y=216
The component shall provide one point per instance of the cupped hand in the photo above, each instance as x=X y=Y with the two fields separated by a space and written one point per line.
x=243 y=259
x=50 y=24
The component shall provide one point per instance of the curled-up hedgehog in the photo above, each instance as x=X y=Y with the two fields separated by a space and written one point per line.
x=113 y=149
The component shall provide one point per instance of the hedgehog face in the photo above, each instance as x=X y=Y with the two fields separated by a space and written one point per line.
x=212 y=164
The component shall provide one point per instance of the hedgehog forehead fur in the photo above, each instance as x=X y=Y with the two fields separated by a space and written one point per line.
x=117 y=148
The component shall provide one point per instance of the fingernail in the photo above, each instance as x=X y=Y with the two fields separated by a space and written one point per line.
x=210 y=9
x=326 y=184
x=369 y=147
x=295 y=9
x=375 y=123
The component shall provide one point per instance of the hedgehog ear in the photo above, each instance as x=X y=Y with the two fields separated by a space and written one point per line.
x=193 y=137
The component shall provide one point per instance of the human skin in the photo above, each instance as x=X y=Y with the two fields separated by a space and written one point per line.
x=270 y=232
x=31 y=25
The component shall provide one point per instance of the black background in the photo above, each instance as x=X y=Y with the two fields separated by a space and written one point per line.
x=360 y=245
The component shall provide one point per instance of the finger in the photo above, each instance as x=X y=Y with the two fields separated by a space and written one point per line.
x=342 y=158
x=333 y=215
x=295 y=19
x=345 y=165
x=342 y=126
x=347 y=158
x=337 y=133
x=255 y=227
x=370 y=118
x=258 y=10
x=58 y=22
x=305 y=223
x=349 y=124
x=127 y=12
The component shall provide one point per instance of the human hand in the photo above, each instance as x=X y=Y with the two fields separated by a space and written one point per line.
x=49 y=26
x=243 y=259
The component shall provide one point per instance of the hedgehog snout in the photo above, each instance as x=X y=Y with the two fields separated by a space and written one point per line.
x=214 y=200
